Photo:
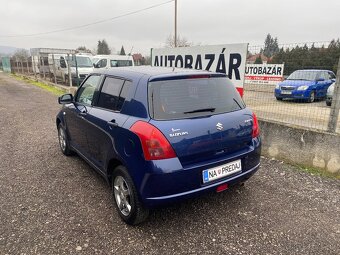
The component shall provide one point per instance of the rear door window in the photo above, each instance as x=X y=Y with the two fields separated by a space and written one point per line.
x=113 y=93
x=187 y=98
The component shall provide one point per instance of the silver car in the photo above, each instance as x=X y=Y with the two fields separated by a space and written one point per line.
x=330 y=92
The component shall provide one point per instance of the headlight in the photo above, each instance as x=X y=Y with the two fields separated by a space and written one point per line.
x=277 y=86
x=302 y=88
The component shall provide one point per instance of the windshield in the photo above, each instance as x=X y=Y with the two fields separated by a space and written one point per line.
x=81 y=61
x=304 y=75
x=187 y=98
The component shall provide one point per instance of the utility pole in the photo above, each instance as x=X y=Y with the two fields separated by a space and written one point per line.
x=175 y=23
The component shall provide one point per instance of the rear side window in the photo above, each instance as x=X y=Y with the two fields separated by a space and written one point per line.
x=187 y=98
x=332 y=75
x=113 y=93
x=119 y=63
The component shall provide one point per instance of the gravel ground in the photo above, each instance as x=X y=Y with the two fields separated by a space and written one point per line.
x=52 y=204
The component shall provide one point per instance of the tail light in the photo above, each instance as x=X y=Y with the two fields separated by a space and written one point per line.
x=256 y=128
x=155 y=145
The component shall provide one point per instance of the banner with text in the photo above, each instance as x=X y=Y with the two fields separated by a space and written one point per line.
x=227 y=58
x=264 y=73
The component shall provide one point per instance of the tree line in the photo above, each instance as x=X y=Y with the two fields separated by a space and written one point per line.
x=302 y=57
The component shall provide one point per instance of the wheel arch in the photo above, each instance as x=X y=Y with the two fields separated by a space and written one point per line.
x=58 y=121
x=113 y=163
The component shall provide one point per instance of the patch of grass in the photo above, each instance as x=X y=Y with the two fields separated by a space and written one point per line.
x=308 y=169
x=318 y=172
x=54 y=90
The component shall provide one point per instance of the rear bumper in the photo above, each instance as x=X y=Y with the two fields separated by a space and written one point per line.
x=167 y=181
x=156 y=201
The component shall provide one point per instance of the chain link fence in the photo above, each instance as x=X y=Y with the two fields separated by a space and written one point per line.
x=291 y=96
x=274 y=88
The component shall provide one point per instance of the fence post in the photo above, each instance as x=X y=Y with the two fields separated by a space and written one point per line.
x=334 y=114
x=43 y=65
x=33 y=67
x=69 y=70
x=54 y=70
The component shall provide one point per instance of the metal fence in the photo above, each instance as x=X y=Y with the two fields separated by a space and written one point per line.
x=260 y=96
x=310 y=110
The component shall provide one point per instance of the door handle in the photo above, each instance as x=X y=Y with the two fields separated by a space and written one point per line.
x=112 y=123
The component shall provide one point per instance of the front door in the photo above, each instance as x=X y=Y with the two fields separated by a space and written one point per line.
x=76 y=114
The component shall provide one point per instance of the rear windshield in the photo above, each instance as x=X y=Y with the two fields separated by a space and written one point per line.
x=187 y=98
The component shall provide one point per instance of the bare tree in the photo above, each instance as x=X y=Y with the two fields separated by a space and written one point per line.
x=83 y=49
x=21 y=55
x=181 y=42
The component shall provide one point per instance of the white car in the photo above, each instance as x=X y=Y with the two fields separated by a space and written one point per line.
x=330 y=92
x=109 y=61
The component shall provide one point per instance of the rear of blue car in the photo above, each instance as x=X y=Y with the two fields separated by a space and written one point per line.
x=160 y=135
x=200 y=137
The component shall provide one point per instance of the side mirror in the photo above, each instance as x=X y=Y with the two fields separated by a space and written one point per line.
x=96 y=65
x=62 y=64
x=65 y=99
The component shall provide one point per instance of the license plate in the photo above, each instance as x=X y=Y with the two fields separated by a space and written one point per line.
x=221 y=171
x=286 y=92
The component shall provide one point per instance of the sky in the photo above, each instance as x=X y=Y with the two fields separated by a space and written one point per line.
x=199 y=21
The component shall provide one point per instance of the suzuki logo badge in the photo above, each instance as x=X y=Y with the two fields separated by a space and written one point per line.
x=219 y=126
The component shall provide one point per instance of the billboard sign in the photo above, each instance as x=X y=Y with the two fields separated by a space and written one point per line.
x=227 y=58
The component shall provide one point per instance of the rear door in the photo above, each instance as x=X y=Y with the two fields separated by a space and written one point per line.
x=201 y=117
x=106 y=121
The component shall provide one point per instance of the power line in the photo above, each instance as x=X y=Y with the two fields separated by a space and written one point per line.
x=89 y=24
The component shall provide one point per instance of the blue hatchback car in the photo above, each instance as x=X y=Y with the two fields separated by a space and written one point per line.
x=307 y=85
x=160 y=135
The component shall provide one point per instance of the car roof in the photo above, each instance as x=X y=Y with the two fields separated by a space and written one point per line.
x=120 y=57
x=155 y=73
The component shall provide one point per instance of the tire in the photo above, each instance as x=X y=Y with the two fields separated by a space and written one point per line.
x=311 y=98
x=328 y=103
x=125 y=198
x=63 y=141
x=279 y=98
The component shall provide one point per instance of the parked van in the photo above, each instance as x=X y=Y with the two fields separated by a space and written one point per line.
x=80 y=66
x=108 y=61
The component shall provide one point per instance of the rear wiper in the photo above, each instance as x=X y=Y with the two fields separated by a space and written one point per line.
x=201 y=110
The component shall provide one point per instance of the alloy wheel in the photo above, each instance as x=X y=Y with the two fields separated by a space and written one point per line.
x=62 y=139
x=122 y=195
